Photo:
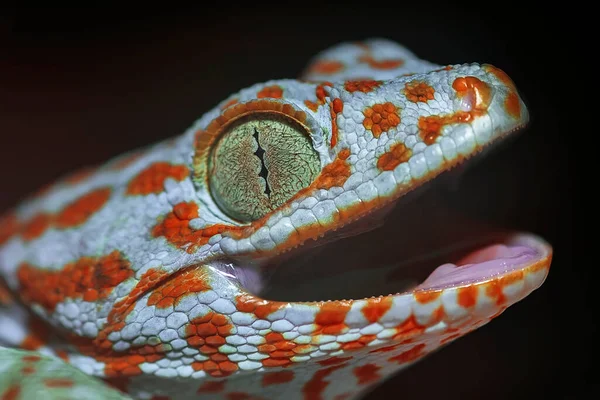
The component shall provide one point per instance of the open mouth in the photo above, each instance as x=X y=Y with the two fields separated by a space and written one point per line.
x=423 y=241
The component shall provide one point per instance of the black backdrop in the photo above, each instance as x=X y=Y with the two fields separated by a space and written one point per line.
x=80 y=86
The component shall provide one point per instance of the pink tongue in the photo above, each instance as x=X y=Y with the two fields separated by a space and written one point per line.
x=481 y=265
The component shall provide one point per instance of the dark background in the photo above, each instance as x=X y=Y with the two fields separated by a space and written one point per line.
x=80 y=86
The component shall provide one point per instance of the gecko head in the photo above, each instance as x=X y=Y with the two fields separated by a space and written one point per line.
x=320 y=184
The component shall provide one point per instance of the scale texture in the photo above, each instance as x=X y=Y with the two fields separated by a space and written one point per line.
x=137 y=274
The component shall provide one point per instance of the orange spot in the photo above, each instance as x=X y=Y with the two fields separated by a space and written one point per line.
x=63 y=355
x=9 y=226
x=119 y=366
x=467 y=296
x=385 y=349
x=152 y=179
x=364 y=86
x=331 y=316
x=81 y=209
x=229 y=103
x=337 y=106
x=397 y=155
x=334 y=174
x=12 y=393
x=312 y=105
x=36 y=226
x=410 y=355
x=275 y=378
x=477 y=92
x=207 y=333
x=391 y=63
x=425 y=297
x=409 y=328
x=189 y=281
x=513 y=105
x=380 y=118
x=430 y=127
x=494 y=289
x=27 y=370
x=260 y=307
x=212 y=387
x=321 y=94
x=417 y=91
x=358 y=344
x=326 y=67
x=96 y=274
x=314 y=388
x=276 y=362
x=334 y=361
x=58 y=383
x=275 y=92
x=31 y=358
x=367 y=373
x=376 y=308
x=175 y=228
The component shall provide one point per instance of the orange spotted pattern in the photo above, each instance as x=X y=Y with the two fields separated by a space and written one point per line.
x=364 y=86
x=321 y=94
x=479 y=95
x=326 y=67
x=331 y=316
x=152 y=179
x=274 y=92
x=120 y=365
x=175 y=228
x=315 y=387
x=337 y=106
x=390 y=63
x=380 y=118
x=9 y=226
x=277 y=377
x=410 y=355
x=425 y=297
x=81 y=209
x=184 y=283
x=467 y=296
x=397 y=154
x=59 y=383
x=334 y=174
x=207 y=333
x=88 y=278
x=367 y=373
x=74 y=214
x=417 y=91
x=36 y=226
x=12 y=393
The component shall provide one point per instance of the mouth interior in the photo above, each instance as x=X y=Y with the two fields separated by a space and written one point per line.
x=420 y=241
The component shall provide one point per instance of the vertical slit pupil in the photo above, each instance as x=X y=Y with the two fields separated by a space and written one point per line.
x=260 y=153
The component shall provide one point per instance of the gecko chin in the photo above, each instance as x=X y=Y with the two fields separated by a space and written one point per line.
x=427 y=239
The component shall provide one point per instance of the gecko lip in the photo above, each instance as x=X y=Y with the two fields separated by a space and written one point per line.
x=422 y=241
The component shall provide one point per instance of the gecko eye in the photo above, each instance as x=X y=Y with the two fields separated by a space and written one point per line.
x=259 y=162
